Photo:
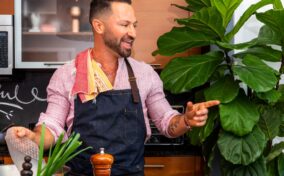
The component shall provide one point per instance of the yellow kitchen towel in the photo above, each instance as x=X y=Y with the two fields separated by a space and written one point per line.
x=90 y=79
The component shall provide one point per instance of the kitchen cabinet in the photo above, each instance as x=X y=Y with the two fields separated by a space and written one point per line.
x=46 y=37
x=6 y=160
x=173 y=166
x=50 y=33
x=7 y=7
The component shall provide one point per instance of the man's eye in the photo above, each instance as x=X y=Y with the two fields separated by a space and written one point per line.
x=124 y=25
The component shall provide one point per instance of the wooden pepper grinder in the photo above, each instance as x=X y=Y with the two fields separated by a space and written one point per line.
x=102 y=163
x=27 y=165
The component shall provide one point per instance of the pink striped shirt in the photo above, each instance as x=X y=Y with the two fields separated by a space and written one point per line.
x=60 y=109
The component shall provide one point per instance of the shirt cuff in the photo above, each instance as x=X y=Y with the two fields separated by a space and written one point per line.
x=55 y=130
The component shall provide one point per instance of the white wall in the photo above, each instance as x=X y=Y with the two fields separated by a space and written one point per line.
x=251 y=28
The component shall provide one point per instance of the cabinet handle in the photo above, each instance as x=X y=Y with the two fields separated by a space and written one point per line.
x=154 y=165
x=54 y=63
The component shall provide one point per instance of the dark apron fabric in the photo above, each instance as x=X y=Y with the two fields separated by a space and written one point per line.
x=115 y=122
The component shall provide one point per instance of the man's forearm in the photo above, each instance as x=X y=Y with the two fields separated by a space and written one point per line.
x=177 y=126
x=48 y=137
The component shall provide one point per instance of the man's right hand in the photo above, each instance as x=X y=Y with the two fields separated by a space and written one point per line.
x=23 y=132
x=34 y=135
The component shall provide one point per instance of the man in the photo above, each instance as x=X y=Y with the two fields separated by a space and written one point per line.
x=106 y=96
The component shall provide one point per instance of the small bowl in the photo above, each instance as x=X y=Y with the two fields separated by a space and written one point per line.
x=62 y=171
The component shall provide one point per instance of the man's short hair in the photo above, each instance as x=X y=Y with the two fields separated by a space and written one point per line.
x=100 y=6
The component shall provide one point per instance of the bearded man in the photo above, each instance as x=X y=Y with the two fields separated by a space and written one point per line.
x=109 y=97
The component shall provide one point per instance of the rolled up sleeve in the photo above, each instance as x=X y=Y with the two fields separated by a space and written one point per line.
x=58 y=106
x=159 y=108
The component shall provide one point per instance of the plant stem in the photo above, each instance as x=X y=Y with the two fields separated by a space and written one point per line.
x=229 y=62
x=281 y=69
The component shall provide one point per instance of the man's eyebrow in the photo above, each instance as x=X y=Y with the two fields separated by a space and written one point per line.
x=127 y=21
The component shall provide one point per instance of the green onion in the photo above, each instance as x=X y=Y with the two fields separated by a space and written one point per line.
x=61 y=154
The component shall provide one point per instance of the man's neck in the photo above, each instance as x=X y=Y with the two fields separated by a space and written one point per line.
x=107 y=59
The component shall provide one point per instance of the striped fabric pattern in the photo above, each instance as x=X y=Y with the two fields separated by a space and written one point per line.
x=90 y=79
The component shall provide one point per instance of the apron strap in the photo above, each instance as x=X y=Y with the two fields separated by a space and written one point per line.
x=132 y=81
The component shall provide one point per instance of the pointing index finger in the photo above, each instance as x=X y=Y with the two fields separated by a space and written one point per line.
x=211 y=103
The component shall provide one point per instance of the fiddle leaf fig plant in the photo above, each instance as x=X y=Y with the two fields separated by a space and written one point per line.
x=239 y=133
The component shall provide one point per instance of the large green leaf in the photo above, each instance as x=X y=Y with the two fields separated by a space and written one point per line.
x=183 y=74
x=256 y=168
x=280 y=106
x=267 y=36
x=281 y=164
x=242 y=150
x=231 y=46
x=187 y=8
x=196 y=5
x=181 y=39
x=277 y=4
x=271 y=96
x=281 y=90
x=246 y=15
x=256 y=74
x=239 y=116
x=281 y=132
x=263 y=52
x=270 y=120
x=275 y=151
x=226 y=8
x=219 y=73
x=274 y=19
x=198 y=135
x=207 y=20
x=271 y=168
x=224 y=90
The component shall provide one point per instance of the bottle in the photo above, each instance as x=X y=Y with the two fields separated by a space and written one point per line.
x=101 y=163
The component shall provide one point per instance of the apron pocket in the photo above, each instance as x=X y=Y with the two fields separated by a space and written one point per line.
x=130 y=124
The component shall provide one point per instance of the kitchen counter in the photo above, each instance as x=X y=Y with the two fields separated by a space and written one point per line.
x=8 y=170
x=170 y=150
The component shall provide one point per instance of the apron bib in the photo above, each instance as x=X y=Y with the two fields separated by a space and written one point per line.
x=114 y=120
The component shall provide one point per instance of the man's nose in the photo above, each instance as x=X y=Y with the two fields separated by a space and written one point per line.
x=132 y=31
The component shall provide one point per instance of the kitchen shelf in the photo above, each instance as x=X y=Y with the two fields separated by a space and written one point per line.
x=58 y=33
x=80 y=36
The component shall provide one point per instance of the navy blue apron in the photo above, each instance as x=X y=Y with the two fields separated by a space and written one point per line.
x=114 y=121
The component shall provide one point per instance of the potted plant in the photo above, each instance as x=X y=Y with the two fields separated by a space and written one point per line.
x=238 y=134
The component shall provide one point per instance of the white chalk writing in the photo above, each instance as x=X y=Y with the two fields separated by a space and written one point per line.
x=4 y=95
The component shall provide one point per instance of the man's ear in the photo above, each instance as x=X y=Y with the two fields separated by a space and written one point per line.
x=98 y=26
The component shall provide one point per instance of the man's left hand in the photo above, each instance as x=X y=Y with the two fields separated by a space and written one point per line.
x=197 y=114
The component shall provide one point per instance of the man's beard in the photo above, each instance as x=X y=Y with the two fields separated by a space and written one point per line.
x=115 y=45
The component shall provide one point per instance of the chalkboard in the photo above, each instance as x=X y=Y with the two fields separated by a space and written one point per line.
x=23 y=97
